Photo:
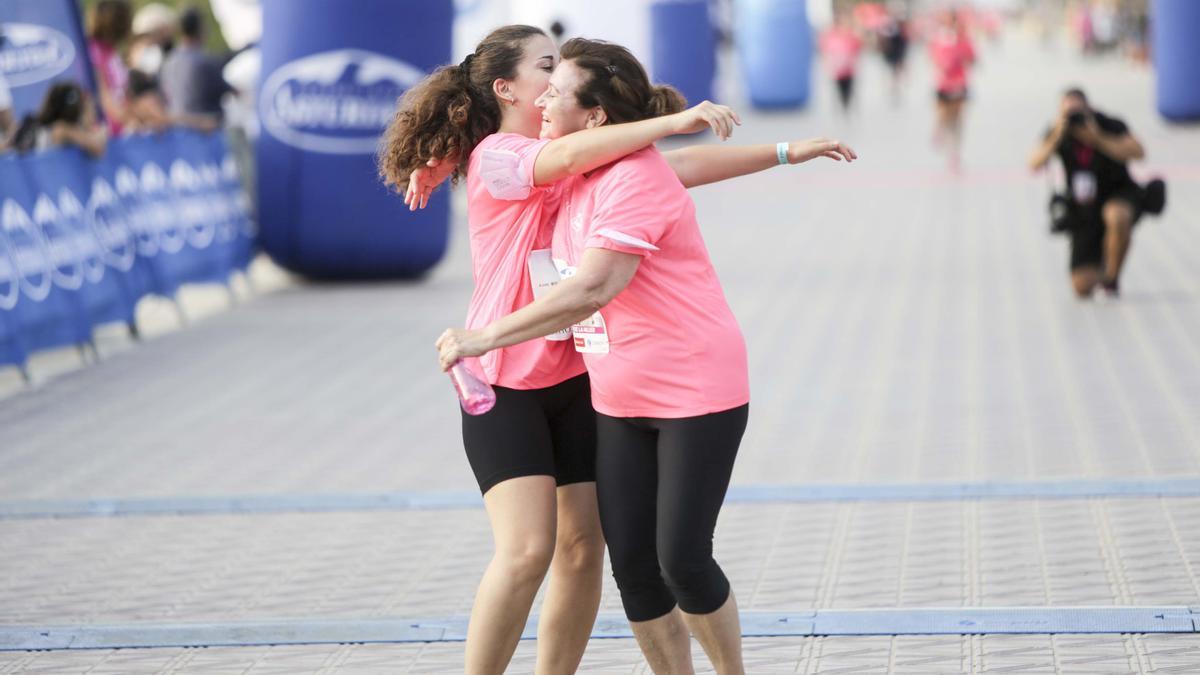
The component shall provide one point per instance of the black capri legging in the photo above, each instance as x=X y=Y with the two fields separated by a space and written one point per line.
x=661 y=483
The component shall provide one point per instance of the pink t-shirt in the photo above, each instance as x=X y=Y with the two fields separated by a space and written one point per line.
x=509 y=217
x=675 y=348
x=952 y=54
x=841 y=47
x=114 y=76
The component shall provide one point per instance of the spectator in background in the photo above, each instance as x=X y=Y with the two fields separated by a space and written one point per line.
x=67 y=117
x=154 y=28
x=148 y=112
x=149 y=108
x=109 y=25
x=191 y=79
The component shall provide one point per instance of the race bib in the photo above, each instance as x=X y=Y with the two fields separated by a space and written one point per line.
x=1083 y=186
x=591 y=334
x=543 y=275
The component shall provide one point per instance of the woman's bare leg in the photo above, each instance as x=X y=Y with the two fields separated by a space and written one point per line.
x=576 y=574
x=523 y=516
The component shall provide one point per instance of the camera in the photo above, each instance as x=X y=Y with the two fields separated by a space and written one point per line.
x=1077 y=119
x=1061 y=214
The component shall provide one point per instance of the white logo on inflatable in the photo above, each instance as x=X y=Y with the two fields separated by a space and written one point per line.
x=29 y=251
x=336 y=102
x=33 y=53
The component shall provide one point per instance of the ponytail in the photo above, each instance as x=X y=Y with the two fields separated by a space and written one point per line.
x=448 y=113
x=665 y=100
x=618 y=83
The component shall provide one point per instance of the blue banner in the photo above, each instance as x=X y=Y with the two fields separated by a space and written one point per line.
x=41 y=42
x=81 y=240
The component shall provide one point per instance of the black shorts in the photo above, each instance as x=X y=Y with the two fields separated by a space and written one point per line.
x=1087 y=237
x=845 y=86
x=951 y=95
x=534 y=432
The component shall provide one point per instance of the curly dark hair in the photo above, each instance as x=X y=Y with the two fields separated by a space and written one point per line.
x=449 y=112
x=617 y=82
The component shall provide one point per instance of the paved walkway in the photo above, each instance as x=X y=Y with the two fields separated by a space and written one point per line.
x=904 y=326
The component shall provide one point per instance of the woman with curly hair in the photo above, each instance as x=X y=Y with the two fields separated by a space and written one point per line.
x=533 y=454
x=664 y=352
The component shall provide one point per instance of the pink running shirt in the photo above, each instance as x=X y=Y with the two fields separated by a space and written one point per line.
x=952 y=55
x=841 y=47
x=675 y=349
x=114 y=76
x=508 y=217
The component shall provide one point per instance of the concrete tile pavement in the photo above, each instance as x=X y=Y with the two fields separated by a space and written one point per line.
x=903 y=325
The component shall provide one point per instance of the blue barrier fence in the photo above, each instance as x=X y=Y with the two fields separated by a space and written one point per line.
x=82 y=240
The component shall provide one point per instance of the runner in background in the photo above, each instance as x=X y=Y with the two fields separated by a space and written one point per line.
x=840 y=48
x=893 y=39
x=953 y=54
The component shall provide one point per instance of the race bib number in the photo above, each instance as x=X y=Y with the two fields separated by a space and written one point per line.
x=591 y=334
x=543 y=275
x=1083 y=186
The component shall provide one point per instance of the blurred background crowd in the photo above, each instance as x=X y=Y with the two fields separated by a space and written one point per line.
x=195 y=64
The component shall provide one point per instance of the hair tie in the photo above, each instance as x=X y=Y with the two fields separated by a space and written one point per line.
x=465 y=66
x=612 y=70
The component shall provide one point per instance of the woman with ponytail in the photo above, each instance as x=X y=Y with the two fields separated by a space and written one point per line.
x=663 y=350
x=533 y=454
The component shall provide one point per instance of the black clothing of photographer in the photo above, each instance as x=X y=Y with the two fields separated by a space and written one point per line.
x=1102 y=203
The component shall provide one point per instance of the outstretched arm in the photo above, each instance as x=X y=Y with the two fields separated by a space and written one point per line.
x=601 y=275
x=589 y=149
x=703 y=164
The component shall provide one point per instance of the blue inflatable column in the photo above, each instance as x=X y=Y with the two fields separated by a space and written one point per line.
x=684 y=47
x=1175 y=25
x=332 y=72
x=775 y=46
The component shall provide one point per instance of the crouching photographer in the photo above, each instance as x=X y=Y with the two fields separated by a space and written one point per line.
x=1102 y=203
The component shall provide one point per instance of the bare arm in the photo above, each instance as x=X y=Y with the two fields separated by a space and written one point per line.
x=1122 y=148
x=197 y=121
x=601 y=275
x=93 y=141
x=703 y=164
x=590 y=149
x=1045 y=150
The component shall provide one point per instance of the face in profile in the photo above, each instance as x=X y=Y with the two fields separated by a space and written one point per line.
x=533 y=74
x=561 y=112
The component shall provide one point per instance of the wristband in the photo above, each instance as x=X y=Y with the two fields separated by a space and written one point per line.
x=781 y=151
